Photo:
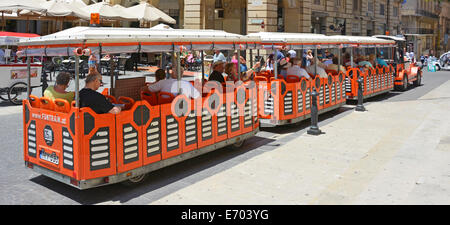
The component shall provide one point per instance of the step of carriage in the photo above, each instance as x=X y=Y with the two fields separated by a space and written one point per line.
x=153 y=137
x=99 y=148
x=222 y=120
x=248 y=113
x=299 y=101
x=67 y=141
x=190 y=126
x=348 y=85
x=234 y=117
x=130 y=144
x=172 y=136
x=32 y=146
x=206 y=122
x=288 y=103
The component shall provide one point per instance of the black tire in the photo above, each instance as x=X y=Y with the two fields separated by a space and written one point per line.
x=237 y=145
x=405 y=83
x=135 y=180
x=418 y=81
x=4 y=94
x=438 y=68
x=17 y=93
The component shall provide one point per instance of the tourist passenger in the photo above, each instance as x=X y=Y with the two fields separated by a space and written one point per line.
x=335 y=66
x=160 y=74
x=320 y=68
x=296 y=69
x=89 y=97
x=217 y=74
x=363 y=61
x=170 y=85
x=269 y=62
x=381 y=61
x=218 y=56
x=59 y=89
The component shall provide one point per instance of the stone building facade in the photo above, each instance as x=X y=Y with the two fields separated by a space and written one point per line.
x=350 y=17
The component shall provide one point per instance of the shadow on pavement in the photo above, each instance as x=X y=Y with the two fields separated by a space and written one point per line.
x=164 y=181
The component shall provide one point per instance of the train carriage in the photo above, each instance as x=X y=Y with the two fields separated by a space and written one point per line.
x=287 y=100
x=376 y=80
x=83 y=149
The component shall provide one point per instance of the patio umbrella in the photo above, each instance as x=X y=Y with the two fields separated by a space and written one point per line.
x=18 y=5
x=64 y=8
x=108 y=12
x=145 y=12
x=161 y=26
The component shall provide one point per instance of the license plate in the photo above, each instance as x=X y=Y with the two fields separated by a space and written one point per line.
x=49 y=157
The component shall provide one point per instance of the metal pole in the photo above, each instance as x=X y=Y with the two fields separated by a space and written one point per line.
x=316 y=59
x=111 y=73
x=351 y=57
x=179 y=72
x=203 y=66
x=239 y=63
x=375 y=56
x=339 y=59
x=251 y=58
x=275 y=65
x=29 y=77
x=77 y=81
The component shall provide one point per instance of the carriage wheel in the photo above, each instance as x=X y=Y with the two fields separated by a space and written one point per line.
x=17 y=93
x=4 y=94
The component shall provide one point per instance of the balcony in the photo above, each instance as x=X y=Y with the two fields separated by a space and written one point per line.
x=415 y=30
x=422 y=12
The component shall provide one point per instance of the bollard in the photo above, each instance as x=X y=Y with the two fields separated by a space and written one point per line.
x=314 y=129
x=360 y=106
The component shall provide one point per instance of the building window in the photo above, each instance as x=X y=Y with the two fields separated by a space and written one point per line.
x=381 y=9
x=317 y=2
x=370 y=5
x=395 y=11
x=356 y=5
x=218 y=4
x=280 y=17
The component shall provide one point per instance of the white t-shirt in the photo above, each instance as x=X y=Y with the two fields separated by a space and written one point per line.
x=320 y=71
x=298 y=71
x=171 y=85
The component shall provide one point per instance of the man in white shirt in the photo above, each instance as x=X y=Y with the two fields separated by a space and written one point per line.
x=296 y=69
x=320 y=68
x=171 y=86
x=218 y=56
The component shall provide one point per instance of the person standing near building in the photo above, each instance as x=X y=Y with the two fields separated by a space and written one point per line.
x=218 y=56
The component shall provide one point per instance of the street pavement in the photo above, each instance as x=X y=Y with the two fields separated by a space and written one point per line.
x=397 y=152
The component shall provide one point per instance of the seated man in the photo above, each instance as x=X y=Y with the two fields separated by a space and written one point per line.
x=89 y=97
x=320 y=69
x=296 y=69
x=381 y=61
x=160 y=74
x=171 y=86
x=334 y=66
x=217 y=74
x=59 y=89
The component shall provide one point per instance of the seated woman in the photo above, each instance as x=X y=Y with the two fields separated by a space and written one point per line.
x=59 y=89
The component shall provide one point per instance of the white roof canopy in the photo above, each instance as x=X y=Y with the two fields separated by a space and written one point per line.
x=298 y=40
x=132 y=40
